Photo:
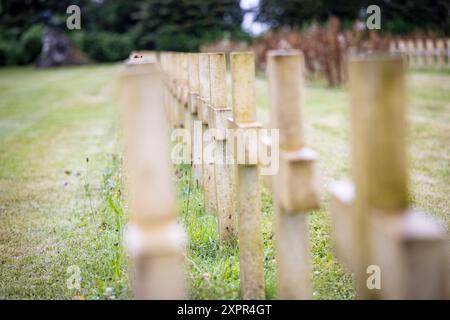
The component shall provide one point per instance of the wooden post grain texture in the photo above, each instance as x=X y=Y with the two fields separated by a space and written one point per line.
x=420 y=51
x=378 y=107
x=448 y=52
x=218 y=114
x=440 y=53
x=412 y=54
x=184 y=90
x=209 y=184
x=430 y=53
x=155 y=241
x=378 y=159
x=173 y=89
x=195 y=125
x=295 y=186
x=387 y=233
x=179 y=89
x=248 y=198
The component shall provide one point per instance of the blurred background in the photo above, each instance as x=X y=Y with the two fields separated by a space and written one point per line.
x=110 y=29
x=61 y=197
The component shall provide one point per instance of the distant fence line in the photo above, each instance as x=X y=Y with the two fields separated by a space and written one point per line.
x=326 y=49
x=434 y=53
x=372 y=222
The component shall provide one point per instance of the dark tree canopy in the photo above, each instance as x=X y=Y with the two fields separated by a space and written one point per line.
x=397 y=16
x=110 y=29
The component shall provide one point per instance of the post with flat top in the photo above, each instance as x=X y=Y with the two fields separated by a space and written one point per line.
x=173 y=89
x=179 y=89
x=420 y=52
x=440 y=53
x=209 y=184
x=448 y=51
x=184 y=90
x=195 y=125
x=295 y=186
x=218 y=114
x=430 y=53
x=248 y=198
x=155 y=241
x=409 y=249
x=412 y=58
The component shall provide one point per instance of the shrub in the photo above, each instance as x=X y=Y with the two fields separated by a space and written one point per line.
x=30 y=44
x=105 y=46
x=10 y=52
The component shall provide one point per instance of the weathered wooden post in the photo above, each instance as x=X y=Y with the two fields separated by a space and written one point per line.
x=179 y=89
x=173 y=89
x=430 y=53
x=440 y=53
x=218 y=114
x=184 y=90
x=209 y=184
x=183 y=95
x=164 y=62
x=195 y=125
x=448 y=51
x=420 y=51
x=150 y=56
x=407 y=248
x=155 y=241
x=295 y=186
x=378 y=175
x=392 y=46
x=247 y=177
x=412 y=54
x=402 y=49
x=165 y=68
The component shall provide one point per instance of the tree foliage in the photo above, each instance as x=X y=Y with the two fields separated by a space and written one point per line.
x=397 y=16
x=110 y=29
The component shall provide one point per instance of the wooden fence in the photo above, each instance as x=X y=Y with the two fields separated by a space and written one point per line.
x=433 y=53
x=372 y=224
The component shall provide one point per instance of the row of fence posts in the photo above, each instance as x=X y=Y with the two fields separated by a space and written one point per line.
x=423 y=53
x=372 y=225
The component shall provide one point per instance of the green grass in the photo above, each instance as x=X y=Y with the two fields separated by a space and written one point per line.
x=58 y=210
x=214 y=271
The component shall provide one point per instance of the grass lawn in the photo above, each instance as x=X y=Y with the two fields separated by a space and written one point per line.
x=57 y=135
x=61 y=200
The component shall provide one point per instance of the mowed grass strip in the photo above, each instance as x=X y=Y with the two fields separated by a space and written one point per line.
x=214 y=271
x=59 y=210
x=59 y=184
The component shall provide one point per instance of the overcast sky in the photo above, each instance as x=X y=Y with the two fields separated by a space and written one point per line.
x=254 y=28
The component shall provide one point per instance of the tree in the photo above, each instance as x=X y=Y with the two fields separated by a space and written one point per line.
x=110 y=29
x=397 y=16
x=186 y=24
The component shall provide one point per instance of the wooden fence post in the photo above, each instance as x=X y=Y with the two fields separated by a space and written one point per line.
x=440 y=53
x=408 y=248
x=184 y=91
x=402 y=49
x=247 y=179
x=448 y=52
x=295 y=186
x=155 y=241
x=430 y=53
x=209 y=184
x=196 y=133
x=218 y=114
x=179 y=89
x=378 y=176
x=420 y=52
x=412 y=54
x=173 y=90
